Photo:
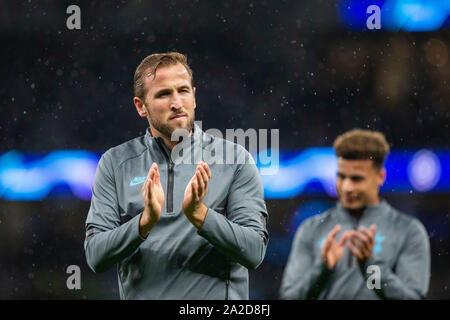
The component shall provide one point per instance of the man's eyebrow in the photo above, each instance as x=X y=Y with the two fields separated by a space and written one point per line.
x=352 y=176
x=161 y=91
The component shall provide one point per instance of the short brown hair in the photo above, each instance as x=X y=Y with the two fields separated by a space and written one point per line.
x=359 y=144
x=153 y=62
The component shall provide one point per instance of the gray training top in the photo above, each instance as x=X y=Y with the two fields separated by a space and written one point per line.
x=401 y=251
x=176 y=261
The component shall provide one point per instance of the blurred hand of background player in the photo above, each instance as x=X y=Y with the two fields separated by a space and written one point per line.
x=153 y=195
x=331 y=250
x=193 y=206
x=361 y=243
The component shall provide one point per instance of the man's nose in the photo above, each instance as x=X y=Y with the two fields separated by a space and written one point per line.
x=176 y=103
x=347 y=185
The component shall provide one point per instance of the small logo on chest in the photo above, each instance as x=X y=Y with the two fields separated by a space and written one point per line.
x=137 y=180
x=376 y=248
x=378 y=243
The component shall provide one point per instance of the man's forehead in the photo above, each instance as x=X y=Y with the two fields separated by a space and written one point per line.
x=164 y=73
x=354 y=165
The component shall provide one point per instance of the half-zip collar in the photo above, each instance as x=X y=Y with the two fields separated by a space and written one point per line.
x=196 y=137
x=369 y=214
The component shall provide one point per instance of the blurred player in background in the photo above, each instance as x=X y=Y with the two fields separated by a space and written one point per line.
x=175 y=230
x=362 y=248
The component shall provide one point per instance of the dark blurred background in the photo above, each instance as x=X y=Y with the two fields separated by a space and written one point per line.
x=296 y=66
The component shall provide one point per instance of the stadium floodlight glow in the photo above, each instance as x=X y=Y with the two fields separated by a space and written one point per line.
x=318 y=167
x=296 y=172
x=415 y=15
x=424 y=170
x=33 y=177
x=406 y=15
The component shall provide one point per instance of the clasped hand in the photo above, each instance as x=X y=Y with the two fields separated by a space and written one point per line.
x=360 y=243
x=193 y=206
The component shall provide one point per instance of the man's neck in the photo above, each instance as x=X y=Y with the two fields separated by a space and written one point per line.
x=357 y=213
x=375 y=201
x=167 y=141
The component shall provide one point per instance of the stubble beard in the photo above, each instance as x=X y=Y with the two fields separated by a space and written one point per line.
x=165 y=129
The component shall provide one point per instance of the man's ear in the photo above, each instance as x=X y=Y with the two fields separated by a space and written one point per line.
x=140 y=107
x=382 y=176
x=195 y=104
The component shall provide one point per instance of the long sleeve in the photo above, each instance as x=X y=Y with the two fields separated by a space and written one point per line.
x=411 y=277
x=242 y=234
x=305 y=275
x=107 y=240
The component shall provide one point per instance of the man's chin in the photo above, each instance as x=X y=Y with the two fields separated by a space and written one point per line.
x=180 y=127
x=352 y=205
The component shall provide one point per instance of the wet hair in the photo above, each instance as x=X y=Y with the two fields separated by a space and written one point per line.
x=153 y=62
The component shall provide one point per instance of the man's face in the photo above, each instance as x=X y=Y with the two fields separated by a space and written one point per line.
x=170 y=100
x=358 y=182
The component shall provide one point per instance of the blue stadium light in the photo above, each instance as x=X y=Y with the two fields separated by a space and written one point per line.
x=415 y=15
x=352 y=13
x=313 y=172
x=424 y=170
x=406 y=15
x=297 y=170
x=33 y=177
